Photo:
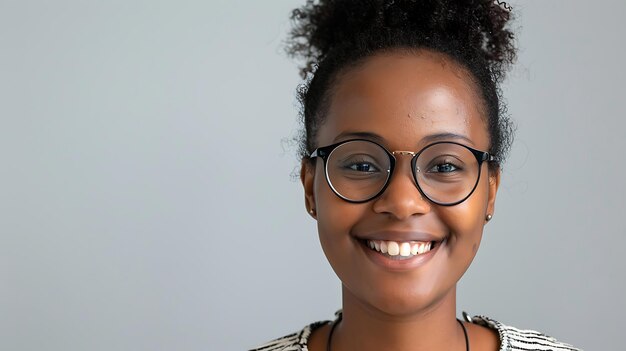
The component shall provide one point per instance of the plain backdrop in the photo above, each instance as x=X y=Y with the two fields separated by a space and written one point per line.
x=147 y=200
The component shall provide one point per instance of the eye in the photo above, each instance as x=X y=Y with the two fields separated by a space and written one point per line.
x=443 y=168
x=362 y=166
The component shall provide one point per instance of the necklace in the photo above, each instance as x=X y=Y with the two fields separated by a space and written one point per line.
x=332 y=330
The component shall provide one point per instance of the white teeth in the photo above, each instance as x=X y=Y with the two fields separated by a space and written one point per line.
x=393 y=247
x=404 y=249
x=420 y=248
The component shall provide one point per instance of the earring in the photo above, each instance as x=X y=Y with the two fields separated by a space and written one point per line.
x=312 y=212
x=488 y=217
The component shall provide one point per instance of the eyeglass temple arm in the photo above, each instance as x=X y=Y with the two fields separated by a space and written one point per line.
x=318 y=153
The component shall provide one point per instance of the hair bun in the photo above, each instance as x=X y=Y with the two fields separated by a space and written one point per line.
x=328 y=25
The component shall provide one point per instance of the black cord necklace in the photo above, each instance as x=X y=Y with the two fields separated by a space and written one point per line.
x=332 y=330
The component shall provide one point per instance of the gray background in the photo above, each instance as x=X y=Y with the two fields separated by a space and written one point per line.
x=147 y=201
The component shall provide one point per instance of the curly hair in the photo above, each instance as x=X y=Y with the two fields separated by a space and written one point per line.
x=334 y=35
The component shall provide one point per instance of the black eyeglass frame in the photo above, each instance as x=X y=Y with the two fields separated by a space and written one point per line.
x=324 y=153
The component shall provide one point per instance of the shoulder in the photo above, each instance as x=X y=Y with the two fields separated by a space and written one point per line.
x=514 y=339
x=292 y=342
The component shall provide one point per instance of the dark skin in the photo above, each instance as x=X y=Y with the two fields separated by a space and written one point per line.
x=402 y=100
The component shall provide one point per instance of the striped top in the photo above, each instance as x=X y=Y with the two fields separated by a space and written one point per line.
x=511 y=339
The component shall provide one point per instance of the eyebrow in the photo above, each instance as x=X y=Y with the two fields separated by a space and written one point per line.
x=362 y=135
x=446 y=136
x=427 y=139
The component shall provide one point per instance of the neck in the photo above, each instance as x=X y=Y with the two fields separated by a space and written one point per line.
x=365 y=327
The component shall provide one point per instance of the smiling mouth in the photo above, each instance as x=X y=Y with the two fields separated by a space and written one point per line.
x=400 y=250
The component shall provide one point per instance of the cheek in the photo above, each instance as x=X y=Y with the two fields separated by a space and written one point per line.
x=335 y=217
x=466 y=220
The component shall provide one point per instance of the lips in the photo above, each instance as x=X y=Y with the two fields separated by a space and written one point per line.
x=399 y=250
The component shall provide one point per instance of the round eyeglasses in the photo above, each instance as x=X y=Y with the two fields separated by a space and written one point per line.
x=358 y=170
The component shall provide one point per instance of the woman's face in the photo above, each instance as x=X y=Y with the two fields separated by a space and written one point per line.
x=403 y=101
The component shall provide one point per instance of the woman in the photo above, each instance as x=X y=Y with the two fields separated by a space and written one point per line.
x=404 y=137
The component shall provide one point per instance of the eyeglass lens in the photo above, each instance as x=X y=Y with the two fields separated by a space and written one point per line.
x=445 y=172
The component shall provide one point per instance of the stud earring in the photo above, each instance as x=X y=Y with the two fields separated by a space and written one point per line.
x=312 y=212
x=488 y=217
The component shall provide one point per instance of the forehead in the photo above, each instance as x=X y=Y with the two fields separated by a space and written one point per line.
x=406 y=97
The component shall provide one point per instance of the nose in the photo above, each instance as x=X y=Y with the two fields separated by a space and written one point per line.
x=402 y=199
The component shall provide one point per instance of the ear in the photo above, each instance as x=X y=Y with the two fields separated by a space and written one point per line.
x=307 y=177
x=494 y=183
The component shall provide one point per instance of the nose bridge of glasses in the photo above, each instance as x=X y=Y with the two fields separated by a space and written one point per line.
x=405 y=153
x=402 y=152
